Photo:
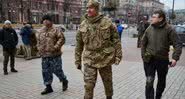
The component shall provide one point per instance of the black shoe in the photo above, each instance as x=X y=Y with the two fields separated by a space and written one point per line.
x=65 y=85
x=109 y=97
x=47 y=90
x=14 y=70
x=5 y=73
x=158 y=97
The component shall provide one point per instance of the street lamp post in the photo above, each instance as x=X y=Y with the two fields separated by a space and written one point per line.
x=1 y=8
x=173 y=15
x=53 y=13
x=84 y=6
x=21 y=8
x=10 y=15
x=29 y=11
x=13 y=14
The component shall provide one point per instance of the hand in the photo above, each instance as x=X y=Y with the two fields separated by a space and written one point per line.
x=79 y=67
x=173 y=63
x=49 y=49
x=117 y=61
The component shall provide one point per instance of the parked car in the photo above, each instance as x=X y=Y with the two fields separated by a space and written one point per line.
x=181 y=33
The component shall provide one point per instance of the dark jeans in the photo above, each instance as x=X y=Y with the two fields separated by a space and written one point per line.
x=161 y=66
x=139 y=41
x=9 y=53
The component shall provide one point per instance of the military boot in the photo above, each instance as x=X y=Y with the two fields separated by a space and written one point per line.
x=109 y=97
x=65 y=85
x=14 y=70
x=47 y=90
x=5 y=67
x=5 y=72
x=85 y=97
x=158 y=96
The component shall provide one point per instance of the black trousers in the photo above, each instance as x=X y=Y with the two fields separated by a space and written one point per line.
x=161 y=67
x=9 y=53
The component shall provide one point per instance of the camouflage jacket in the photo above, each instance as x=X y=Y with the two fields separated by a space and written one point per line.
x=50 y=41
x=98 y=42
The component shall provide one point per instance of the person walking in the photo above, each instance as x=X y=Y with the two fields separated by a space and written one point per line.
x=25 y=33
x=49 y=42
x=120 y=28
x=9 y=40
x=97 y=40
x=155 y=48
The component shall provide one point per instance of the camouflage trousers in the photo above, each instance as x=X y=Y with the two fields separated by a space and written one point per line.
x=90 y=77
x=52 y=65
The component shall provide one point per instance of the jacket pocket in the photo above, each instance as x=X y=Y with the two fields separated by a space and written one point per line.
x=50 y=45
x=105 y=33
x=83 y=30
x=85 y=37
x=109 y=50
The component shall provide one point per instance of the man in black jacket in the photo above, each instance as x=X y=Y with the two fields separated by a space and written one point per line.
x=9 y=40
x=155 y=53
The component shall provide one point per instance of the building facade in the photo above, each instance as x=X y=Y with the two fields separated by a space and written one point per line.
x=151 y=5
x=63 y=11
x=131 y=11
x=108 y=7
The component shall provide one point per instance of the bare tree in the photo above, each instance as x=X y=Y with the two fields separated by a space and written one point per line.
x=1 y=10
x=66 y=8
x=110 y=6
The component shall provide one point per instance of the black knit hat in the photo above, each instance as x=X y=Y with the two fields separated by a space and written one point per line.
x=47 y=17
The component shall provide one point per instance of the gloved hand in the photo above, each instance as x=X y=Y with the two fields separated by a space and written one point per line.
x=79 y=67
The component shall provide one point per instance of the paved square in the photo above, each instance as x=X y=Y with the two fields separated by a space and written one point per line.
x=129 y=80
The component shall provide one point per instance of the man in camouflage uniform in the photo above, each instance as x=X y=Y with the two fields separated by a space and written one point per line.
x=50 y=41
x=97 y=39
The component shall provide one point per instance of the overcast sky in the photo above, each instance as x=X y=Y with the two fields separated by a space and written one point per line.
x=179 y=4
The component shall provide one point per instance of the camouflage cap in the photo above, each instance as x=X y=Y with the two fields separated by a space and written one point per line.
x=93 y=3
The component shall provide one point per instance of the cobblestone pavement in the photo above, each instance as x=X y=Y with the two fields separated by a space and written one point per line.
x=128 y=78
